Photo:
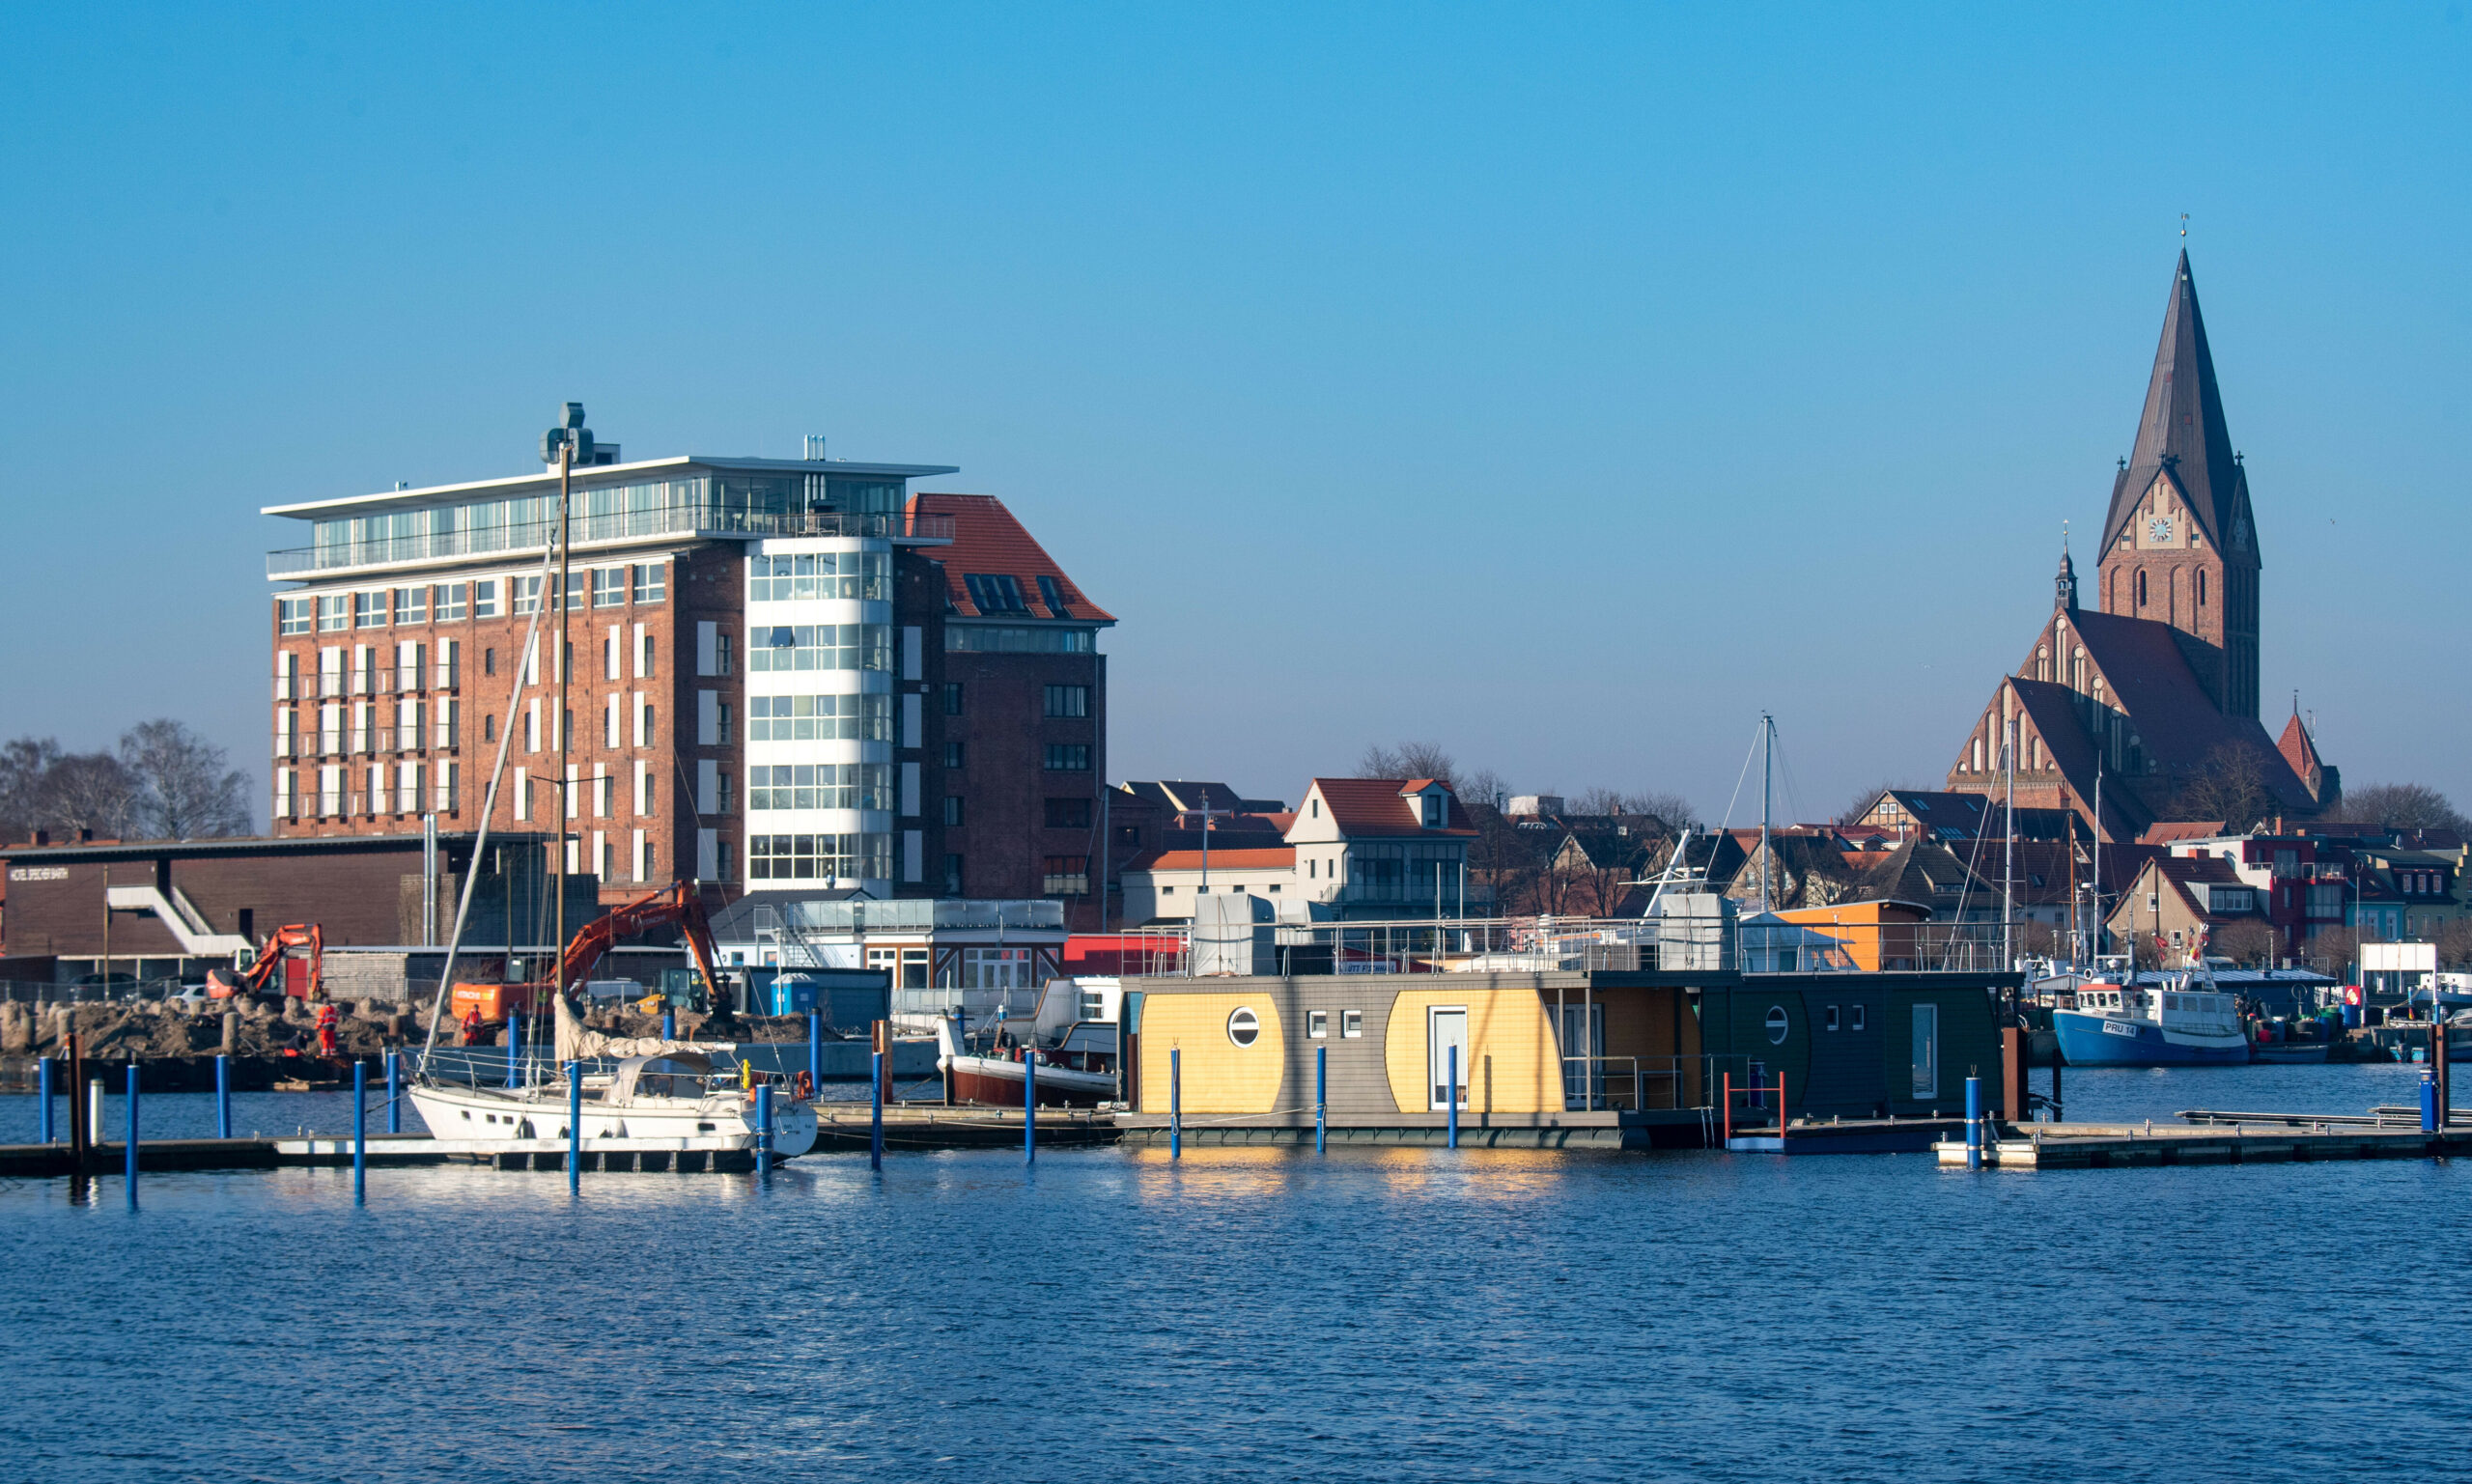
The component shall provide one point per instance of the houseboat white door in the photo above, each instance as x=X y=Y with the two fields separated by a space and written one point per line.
x=1445 y=1030
x=1926 y=1053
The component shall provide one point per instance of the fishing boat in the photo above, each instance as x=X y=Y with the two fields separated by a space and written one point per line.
x=2118 y=1022
x=1078 y=1071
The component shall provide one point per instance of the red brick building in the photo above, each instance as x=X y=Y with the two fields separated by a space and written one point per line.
x=778 y=671
x=2155 y=683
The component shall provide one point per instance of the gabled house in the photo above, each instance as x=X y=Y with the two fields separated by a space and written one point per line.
x=2185 y=904
x=1376 y=848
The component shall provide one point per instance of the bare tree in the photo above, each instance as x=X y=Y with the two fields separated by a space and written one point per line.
x=1667 y=808
x=22 y=766
x=2249 y=942
x=2332 y=949
x=2455 y=942
x=185 y=789
x=1409 y=760
x=89 y=791
x=2230 y=785
x=2403 y=807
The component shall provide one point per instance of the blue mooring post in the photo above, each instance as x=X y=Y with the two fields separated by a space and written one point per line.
x=514 y=1053
x=764 y=1129
x=875 y=1121
x=669 y=1025
x=1321 y=1099
x=222 y=1096
x=575 y=1126
x=43 y=1092
x=1029 y=1105
x=815 y=1052
x=360 y=1134
x=394 y=1092
x=1175 y=1104
x=130 y=1144
x=1450 y=1094
x=2429 y=1099
x=1974 y=1123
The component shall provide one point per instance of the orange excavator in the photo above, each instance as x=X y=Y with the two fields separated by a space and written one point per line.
x=263 y=976
x=675 y=905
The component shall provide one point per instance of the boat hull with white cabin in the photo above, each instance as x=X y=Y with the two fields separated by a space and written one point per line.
x=996 y=1079
x=668 y=1099
x=2184 y=1021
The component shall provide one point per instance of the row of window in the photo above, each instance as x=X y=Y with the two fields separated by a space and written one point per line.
x=818 y=857
x=336 y=790
x=819 y=718
x=802 y=576
x=821 y=647
x=1061 y=813
x=451 y=602
x=819 y=786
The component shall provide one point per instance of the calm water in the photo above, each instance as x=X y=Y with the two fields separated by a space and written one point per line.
x=1260 y=1314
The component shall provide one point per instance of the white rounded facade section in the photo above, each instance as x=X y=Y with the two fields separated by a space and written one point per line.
x=819 y=722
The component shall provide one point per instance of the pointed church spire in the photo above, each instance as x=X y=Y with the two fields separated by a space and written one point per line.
x=2181 y=429
x=2067 y=587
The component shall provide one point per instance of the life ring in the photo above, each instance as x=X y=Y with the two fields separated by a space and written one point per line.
x=804 y=1086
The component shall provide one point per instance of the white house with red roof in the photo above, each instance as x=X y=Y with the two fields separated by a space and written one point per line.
x=1381 y=848
x=1355 y=847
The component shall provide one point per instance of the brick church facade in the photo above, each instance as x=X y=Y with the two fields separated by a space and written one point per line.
x=2149 y=683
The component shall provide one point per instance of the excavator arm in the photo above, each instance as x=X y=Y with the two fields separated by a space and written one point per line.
x=261 y=976
x=674 y=905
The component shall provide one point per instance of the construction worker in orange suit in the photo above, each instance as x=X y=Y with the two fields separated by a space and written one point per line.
x=472 y=1025
x=327 y=1020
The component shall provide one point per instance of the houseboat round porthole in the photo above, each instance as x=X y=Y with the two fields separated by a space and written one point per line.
x=1243 y=1027
x=1776 y=1025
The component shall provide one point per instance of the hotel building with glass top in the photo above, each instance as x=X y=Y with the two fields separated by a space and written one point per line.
x=789 y=675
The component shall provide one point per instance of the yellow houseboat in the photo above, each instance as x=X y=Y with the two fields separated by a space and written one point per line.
x=1604 y=1058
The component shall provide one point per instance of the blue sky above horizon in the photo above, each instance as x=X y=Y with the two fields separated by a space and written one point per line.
x=1564 y=385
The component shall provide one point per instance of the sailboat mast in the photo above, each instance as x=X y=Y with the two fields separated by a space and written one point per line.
x=2094 y=927
x=526 y=663
x=1767 y=769
x=2009 y=856
x=566 y=803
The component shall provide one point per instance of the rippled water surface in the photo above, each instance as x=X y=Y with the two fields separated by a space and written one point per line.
x=1256 y=1314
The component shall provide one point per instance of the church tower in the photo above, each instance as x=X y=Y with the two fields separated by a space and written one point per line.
x=2180 y=546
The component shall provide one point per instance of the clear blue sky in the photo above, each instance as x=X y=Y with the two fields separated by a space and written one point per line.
x=1561 y=385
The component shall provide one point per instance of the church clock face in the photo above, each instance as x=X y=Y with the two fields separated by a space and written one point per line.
x=2159 y=530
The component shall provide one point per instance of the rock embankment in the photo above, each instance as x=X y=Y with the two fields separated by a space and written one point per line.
x=145 y=1031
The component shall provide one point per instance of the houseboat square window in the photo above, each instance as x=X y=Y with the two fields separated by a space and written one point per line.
x=1317 y=1025
x=1832 y=1017
x=1858 y=1017
x=1351 y=1024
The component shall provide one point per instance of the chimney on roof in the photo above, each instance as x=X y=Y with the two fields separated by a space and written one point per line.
x=43 y=837
x=85 y=835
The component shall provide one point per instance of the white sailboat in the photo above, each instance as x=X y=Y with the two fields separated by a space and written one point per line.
x=640 y=1094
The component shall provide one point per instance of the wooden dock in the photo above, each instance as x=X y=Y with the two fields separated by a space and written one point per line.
x=2222 y=1138
x=843 y=1127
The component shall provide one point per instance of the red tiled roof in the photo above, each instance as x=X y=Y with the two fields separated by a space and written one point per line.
x=988 y=540
x=1280 y=857
x=2180 y=725
x=1373 y=806
x=2166 y=832
x=2297 y=747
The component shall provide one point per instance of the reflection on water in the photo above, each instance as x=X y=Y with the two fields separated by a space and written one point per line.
x=1250 y=1313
